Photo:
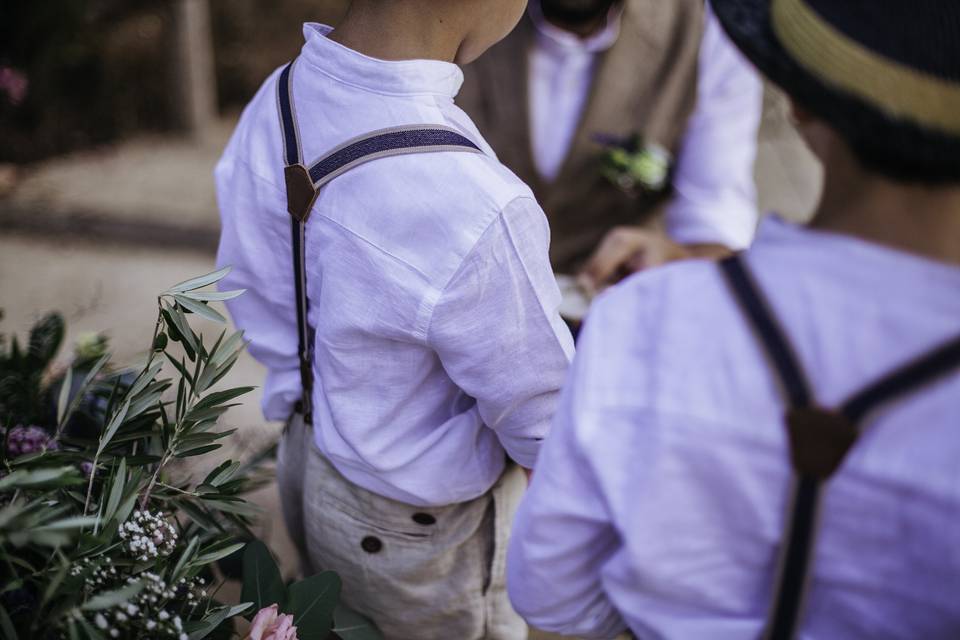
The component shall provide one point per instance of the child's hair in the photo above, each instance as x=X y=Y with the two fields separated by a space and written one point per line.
x=893 y=147
x=906 y=153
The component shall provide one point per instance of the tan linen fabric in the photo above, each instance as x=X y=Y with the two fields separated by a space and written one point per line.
x=416 y=581
x=646 y=83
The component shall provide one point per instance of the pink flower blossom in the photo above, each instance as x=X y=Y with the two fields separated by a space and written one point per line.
x=270 y=624
x=14 y=84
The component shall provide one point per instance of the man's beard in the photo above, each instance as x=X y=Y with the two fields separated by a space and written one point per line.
x=575 y=12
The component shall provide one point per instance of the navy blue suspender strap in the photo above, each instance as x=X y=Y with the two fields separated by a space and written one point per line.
x=819 y=438
x=303 y=184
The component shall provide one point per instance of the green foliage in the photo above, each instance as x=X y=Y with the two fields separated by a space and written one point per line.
x=262 y=582
x=95 y=534
x=21 y=370
x=313 y=602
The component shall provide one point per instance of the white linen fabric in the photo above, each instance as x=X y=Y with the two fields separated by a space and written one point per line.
x=660 y=498
x=715 y=199
x=438 y=342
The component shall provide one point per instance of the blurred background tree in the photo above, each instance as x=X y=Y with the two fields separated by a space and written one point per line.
x=80 y=73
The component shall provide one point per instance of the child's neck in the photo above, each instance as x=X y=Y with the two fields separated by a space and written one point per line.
x=919 y=219
x=400 y=30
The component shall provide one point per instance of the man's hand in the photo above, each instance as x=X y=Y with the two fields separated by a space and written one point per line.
x=626 y=250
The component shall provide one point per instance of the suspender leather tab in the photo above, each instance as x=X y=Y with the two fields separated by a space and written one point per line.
x=819 y=441
x=300 y=192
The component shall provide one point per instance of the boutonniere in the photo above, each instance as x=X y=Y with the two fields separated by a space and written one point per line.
x=633 y=166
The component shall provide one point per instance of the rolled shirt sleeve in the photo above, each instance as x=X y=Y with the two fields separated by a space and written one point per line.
x=498 y=333
x=715 y=195
x=562 y=535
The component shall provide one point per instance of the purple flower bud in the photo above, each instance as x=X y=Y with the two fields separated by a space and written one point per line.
x=26 y=440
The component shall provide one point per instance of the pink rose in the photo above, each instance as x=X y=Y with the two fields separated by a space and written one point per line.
x=14 y=84
x=270 y=624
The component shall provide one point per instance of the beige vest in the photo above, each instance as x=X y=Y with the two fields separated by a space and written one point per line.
x=646 y=83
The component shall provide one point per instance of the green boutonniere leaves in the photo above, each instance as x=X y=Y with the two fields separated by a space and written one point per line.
x=635 y=167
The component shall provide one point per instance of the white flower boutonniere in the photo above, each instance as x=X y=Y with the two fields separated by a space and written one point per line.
x=634 y=166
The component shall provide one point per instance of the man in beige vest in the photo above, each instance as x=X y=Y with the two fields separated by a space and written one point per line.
x=616 y=110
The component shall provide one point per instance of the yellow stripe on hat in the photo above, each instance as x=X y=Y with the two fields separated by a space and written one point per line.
x=838 y=60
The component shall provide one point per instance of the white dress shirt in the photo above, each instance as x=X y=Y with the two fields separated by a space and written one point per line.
x=659 y=500
x=715 y=195
x=438 y=342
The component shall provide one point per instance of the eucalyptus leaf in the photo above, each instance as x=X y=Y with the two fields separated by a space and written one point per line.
x=189 y=338
x=350 y=625
x=112 y=598
x=185 y=557
x=116 y=491
x=6 y=625
x=23 y=479
x=77 y=522
x=90 y=630
x=200 y=281
x=233 y=344
x=145 y=377
x=199 y=451
x=214 y=620
x=64 y=397
x=219 y=397
x=52 y=539
x=82 y=391
x=312 y=602
x=262 y=583
x=181 y=368
x=212 y=556
x=214 y=296
x=112 y=426
x=199 y=308
x=211 y=375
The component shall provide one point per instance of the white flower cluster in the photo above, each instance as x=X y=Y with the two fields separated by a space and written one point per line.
x=147 y=611
x=118 y=618
x=148 y=536
x=102 y=571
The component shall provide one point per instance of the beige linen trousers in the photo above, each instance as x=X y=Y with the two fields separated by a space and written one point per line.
x=419 y=573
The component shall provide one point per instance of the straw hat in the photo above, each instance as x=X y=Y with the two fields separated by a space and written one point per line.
x=884 y=74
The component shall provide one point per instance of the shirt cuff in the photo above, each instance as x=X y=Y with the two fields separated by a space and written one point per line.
x=732 y=225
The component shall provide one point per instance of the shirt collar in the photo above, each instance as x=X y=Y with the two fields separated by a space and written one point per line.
x=562 y=42
x=399 y=77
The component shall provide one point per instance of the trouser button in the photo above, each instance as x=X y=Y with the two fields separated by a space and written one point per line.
x=371 y=544
x=424 y=518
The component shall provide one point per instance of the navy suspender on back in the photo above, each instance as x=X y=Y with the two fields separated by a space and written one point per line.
x=303 y=184
x=819 y=439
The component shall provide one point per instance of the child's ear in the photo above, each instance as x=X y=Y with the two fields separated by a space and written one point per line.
x=799 y=115
x=817 y=135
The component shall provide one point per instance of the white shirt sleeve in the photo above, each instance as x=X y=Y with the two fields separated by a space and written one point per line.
x=715 y=200
x=562 y=535
x=497 y=330
x=260 y=257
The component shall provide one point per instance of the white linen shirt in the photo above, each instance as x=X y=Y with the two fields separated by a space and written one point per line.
x=659 y=500
x=438 y=342
x=715 y=195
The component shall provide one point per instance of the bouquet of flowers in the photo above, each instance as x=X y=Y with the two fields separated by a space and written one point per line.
x=97 y=538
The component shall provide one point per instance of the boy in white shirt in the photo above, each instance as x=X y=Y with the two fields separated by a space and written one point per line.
x=418 y=293
x=768 y=447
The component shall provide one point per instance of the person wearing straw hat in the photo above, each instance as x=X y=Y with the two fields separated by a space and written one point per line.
x=767 y=446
